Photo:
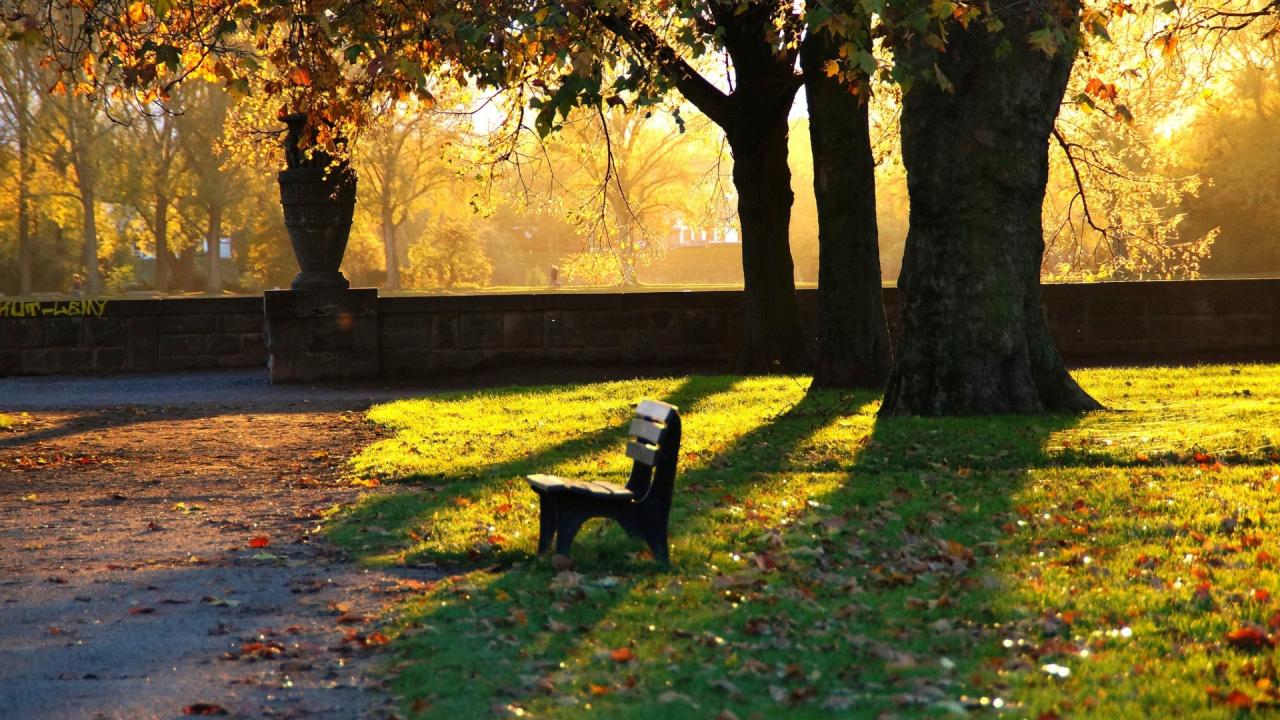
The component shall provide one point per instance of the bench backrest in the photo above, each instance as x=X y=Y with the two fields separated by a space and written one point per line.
x=654 y=445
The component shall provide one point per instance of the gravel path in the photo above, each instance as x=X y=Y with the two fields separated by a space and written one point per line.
x=159 y=551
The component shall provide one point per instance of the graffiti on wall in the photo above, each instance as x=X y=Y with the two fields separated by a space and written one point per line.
x=58 y=308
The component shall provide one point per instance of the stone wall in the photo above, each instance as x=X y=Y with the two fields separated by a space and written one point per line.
x=95 y=336
x=1170 y=322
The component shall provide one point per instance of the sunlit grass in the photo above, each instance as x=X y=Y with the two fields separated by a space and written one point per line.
x=825 y=562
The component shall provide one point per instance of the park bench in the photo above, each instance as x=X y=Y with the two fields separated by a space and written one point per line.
x=642 y=507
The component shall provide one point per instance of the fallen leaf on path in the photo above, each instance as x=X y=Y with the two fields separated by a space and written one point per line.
x=141 y=610
x=260 y=541
x=204 y=709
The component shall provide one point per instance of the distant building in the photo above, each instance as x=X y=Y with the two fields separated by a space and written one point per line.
x=683 y=235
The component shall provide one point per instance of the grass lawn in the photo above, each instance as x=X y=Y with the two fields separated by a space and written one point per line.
x=1122 y=564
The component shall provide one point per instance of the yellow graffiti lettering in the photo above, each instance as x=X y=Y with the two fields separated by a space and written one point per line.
x=58 y=308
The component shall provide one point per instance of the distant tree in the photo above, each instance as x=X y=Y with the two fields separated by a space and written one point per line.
x=449 y=256
x=401 y=165
x=20 y=99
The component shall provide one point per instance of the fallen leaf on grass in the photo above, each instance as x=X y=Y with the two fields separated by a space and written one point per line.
x=622 y=655
x=1248 y=638
x=1235 y=698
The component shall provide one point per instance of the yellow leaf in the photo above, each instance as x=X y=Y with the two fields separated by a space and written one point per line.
x=137 y=12
x=832 y=68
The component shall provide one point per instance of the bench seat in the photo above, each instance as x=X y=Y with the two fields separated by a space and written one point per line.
x=592 y=488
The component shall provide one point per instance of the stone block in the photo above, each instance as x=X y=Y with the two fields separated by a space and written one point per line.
x=194 y=324
x=253 y=344
x=239 y=323
x=10 y=362
x=181 y=345
x=1066 y=313
x=565 y=329
x=1243 y=304
x=444 y=331
x=405 y=363
x=480 y=330
x=21 y=333
x=1179 y=327
x=142 y=343
x=1243 y=327
x=1117 y=328
x=62 y=331
x=50 y=361
x=324 y=335
x=1182 y=306
x=222 y=344
x=703 y=327
x=362 y=302
x=240 y=361
x=419 y=339
x=522 y=329
x=180 y=362
x=110 y=359
x=1117 y=307
x=286 y=367
x=105 y=331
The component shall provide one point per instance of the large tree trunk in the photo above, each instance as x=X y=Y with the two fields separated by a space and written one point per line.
x=771 y=329
x=853 y=337
x=974 y=336
x=213 y=245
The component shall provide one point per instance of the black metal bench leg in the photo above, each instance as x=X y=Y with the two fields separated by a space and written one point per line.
x=548 y=509
x=655 y=536
x=567 y=527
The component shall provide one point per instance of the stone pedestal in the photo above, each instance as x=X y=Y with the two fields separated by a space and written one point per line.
x=322 y=334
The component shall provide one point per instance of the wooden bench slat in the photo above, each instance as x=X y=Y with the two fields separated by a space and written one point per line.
x=655 y=411
x=644 y=430
x=641 y=453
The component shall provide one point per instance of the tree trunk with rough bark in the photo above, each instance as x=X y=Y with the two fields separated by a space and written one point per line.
x=974 y=336
x=754 y=118
x=772 y=337
x=853 y=337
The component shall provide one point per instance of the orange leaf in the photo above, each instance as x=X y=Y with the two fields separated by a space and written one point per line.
x=260 y=541
x=1247 y=638
x=599 y=689
x=299 y=76
x=1260 y=595
x=1237 y=699
x=622 y=654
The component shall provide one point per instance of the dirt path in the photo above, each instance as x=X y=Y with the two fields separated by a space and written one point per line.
x=131 y=584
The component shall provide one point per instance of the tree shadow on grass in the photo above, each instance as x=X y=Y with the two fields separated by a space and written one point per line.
x=398 y=514
x=791 y=588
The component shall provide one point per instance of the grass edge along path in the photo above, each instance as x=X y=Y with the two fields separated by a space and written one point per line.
x=1119 y=564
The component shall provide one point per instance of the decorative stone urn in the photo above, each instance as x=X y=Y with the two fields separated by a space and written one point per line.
x=318 y=202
